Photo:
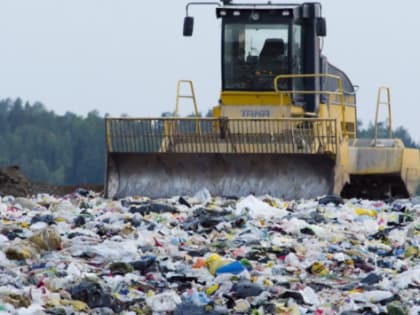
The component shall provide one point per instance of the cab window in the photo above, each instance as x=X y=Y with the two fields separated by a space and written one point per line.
x=253 y=55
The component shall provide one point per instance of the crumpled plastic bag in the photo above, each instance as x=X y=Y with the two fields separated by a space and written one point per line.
x=403 y=280
x=310 y=297
x=202 y=196
x=371 y=296
x=258 y=209
x=164 y=302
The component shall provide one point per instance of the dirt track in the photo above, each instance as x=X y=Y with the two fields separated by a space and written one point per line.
x=13 y=182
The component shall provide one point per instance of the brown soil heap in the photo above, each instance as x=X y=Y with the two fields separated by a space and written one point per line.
x=13 y=182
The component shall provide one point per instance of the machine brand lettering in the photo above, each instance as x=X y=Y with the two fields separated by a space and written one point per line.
x=255 y=113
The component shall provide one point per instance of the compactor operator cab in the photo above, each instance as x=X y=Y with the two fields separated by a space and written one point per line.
x=261 y=41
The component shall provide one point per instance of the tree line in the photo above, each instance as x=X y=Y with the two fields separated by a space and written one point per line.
x=70 y=149
x=58 y=149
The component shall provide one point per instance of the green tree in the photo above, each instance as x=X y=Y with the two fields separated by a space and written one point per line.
x=400 y=133
x=59 y=149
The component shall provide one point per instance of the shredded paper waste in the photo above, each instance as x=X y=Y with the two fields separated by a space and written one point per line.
x=198 y=255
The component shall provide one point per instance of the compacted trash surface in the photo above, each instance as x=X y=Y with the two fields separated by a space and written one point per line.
x=197 y=255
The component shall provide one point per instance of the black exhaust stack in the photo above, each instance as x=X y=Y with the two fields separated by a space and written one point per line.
x=314 y=25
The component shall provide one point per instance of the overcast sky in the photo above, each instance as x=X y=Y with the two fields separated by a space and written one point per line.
x=125 y=56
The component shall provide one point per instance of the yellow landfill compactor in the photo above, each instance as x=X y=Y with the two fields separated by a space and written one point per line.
x=285 y=124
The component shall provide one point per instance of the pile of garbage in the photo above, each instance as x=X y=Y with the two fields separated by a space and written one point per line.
x=204 y=255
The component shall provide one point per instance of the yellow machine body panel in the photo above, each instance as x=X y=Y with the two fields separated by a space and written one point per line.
x=255 y=98
x=377 y=168
x=410 y=170
x=385 y=157
x=276 y=105
x=272 y=105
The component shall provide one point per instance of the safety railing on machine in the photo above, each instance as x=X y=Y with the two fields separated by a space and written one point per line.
x=338 y=93
x=221 y=135
x=379 y=102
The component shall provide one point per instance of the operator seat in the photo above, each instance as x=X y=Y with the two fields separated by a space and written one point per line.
x=273 y=50
x=272 y=62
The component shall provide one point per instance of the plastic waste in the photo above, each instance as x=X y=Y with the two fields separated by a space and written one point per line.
x=203 y=196
x=368 y=212
x=309 y=296
x=17 y=300
x=84 y=254
x=198 y=298
x=164 y=302
x=144 y=264
x=184 y=202
x=20 y=251
x=333 y=199
x=242 y=306
x=234 y=267
x=189 y=308
x=199 y=263
x=93 y=295
x=319 y=268
x=120 y=268
x=258 y=209
x=26 y=203
x=404 y=279
x=212 y=289
x=152 y=208
x=43 y=240
x=371 y=278
x=47 y=218
x=64 y=209
x=395 y=309
x=79 y=221
x=214 y=262
x=78 y=306
x=46 y=239
x=371 y=296
x=245 y=288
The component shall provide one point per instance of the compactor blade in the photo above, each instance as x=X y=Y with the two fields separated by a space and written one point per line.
x=171 y=174
x=289 y=158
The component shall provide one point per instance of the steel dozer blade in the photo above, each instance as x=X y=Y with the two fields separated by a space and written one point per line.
x=170 y=174
x=289 y=158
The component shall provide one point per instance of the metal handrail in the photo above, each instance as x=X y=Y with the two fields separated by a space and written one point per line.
x=222 y=135
x=388 y=103
x=191 y=96
x=216 y=118
x=339 y=92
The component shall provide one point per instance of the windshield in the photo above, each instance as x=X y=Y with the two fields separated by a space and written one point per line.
x=253 y=55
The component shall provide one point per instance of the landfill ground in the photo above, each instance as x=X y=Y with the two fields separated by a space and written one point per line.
x=75 y=252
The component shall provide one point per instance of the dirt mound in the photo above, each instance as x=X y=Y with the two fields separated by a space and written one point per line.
x=13 y=182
